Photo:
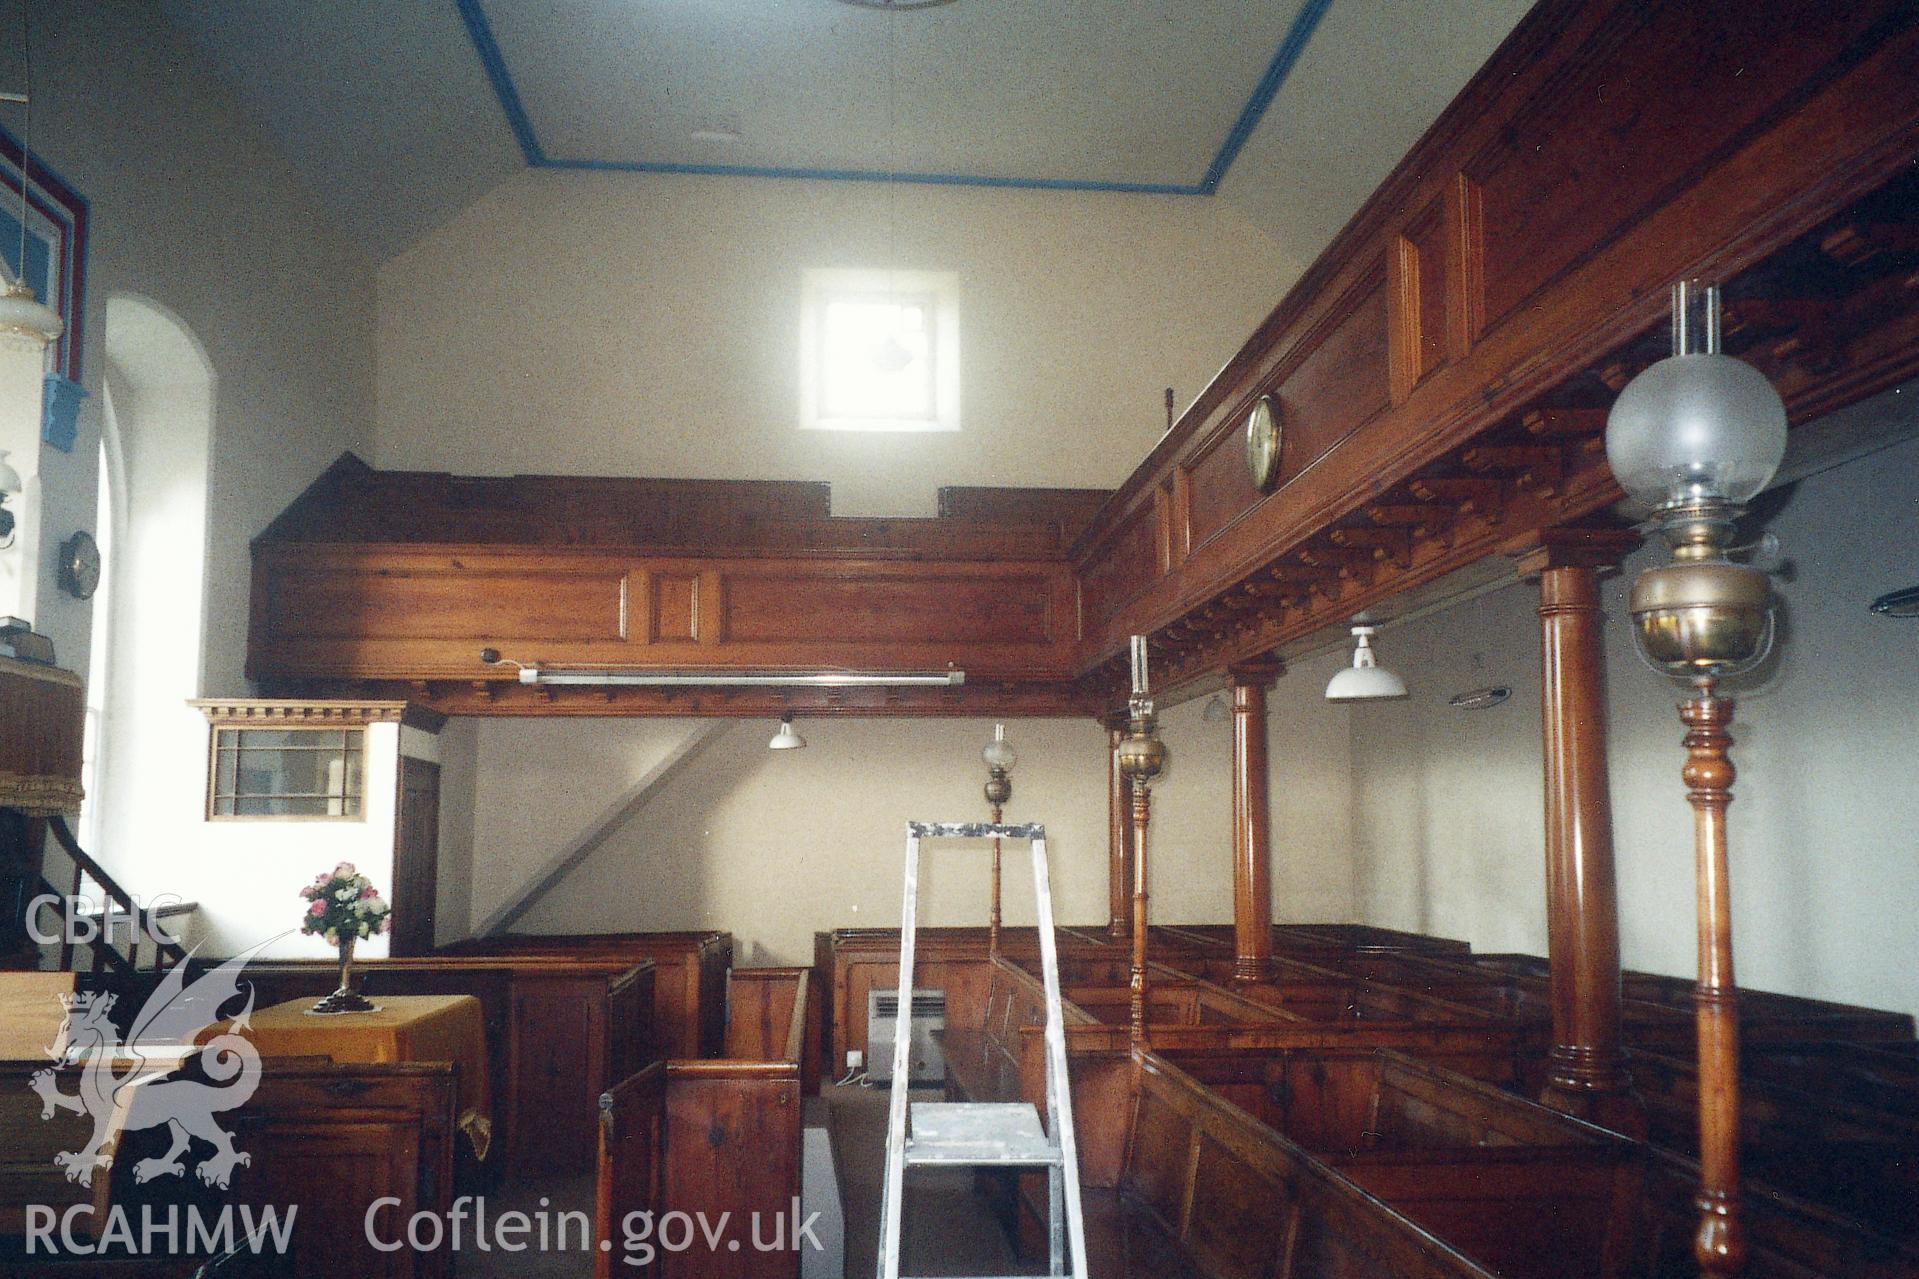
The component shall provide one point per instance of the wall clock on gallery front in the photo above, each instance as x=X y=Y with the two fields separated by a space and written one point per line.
x=1262 y=442
x=80 y=566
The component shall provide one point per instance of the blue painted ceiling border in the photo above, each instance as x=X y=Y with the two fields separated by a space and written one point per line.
x=480 y=30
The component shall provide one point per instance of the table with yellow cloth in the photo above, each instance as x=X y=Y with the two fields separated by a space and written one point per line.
x=404 y=1028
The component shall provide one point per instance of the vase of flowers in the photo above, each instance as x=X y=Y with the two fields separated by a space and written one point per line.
x=344 y=907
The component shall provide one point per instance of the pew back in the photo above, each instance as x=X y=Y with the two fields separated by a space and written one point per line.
x=772 y=1014
x=1431 y=1174
x=689 y=989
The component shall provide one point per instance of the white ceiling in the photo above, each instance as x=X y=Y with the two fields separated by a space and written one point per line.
x=402 y=112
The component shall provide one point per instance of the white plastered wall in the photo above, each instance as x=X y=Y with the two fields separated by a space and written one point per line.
x=775 y=846
x=1824 y=827
x=194 y=218
x=625 y=324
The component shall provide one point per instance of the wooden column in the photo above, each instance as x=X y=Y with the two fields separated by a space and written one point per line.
x=1720 y=1244
x=1585 y=1072
x=1142 y=809
x=1252 y=860
x=992 y=918
x=1119 y=833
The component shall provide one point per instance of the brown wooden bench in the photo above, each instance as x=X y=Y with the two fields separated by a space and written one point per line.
x=1241 y=1199
x=1327 y=1104
x=690 y=976
x=1878 y=1076
x=1786 y=1238
x=333 y=1139
x=715 y=1135
x=1819 y=1147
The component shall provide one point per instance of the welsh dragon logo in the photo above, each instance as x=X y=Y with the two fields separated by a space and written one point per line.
x=131 y=1078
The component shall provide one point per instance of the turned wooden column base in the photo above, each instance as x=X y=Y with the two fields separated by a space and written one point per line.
x=1598 y=1092
x=1249 y=971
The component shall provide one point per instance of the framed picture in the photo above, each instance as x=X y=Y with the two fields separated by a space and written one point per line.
x=56 y=264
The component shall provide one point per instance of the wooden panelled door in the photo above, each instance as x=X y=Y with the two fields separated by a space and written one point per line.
x=416 y=856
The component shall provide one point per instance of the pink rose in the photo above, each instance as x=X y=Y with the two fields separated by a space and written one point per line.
x=317 y=908
x=367 y=892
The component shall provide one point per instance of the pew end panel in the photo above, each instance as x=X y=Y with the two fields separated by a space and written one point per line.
x=632 y=1166
x=732 y=1143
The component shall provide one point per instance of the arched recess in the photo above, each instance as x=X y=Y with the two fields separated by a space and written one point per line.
x=110 y=533
x=160 y=396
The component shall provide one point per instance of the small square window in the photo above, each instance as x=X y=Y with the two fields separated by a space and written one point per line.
x=288 y=772
x=879 y=351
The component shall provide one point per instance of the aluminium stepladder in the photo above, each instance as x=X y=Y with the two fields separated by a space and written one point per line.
x=984 y=1134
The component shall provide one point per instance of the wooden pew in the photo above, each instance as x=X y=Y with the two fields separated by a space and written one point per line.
x=632 y=1168
x=1242 y=1199
x=1859 y=1161
x=1322 y=940
x=853 y=962
x=1003 y=1060
x=772 y=1014
x=1787 y=1238
x=1327 y=1103
x=1412 y=1135
x=724 y=1133
x=28 y=1144
x=690 y=982
x=1658 y=1010
x=1877 y=1076
x=335 y=1138
x=560 y=1031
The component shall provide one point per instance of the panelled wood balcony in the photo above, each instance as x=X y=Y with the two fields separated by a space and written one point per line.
x=1441 y=372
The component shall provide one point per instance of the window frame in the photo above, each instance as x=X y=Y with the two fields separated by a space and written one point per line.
x=820 y=287
x=347 y=735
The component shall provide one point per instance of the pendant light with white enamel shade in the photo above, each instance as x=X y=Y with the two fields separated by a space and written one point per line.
x=1365 y=680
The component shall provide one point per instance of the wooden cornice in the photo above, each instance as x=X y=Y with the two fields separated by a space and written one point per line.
x=1600 y=548
x=276 y=712
x=490 y=697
